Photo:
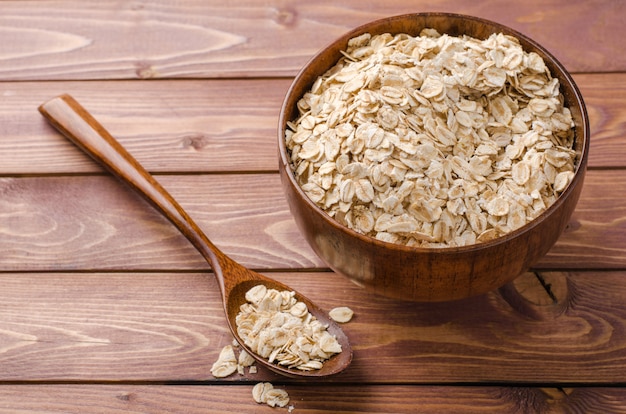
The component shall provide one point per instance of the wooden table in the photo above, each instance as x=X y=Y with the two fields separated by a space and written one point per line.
x=104 y=307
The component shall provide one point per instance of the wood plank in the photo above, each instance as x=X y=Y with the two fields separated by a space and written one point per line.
x=88 y=399
x=56 y=223
x=156 y=39
x=169 y=126
x=92 y=222
x=605 y=99
x=596 y=235
x=214 y=126
x=110 y=326
x=137 y=327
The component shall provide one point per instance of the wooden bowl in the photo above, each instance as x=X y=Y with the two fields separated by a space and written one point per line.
x=431 y=274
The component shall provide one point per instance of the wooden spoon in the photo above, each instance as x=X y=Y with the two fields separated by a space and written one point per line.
x=234 y=280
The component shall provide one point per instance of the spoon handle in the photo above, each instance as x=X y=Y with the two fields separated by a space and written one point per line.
x=77 y=124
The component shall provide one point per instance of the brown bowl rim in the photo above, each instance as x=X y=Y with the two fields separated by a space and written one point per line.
x=563 y=75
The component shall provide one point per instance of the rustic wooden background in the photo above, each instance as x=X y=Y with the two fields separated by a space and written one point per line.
x=105 y=308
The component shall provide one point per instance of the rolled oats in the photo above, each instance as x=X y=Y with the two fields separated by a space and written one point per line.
x=244 y=360
x=341 y=314
x=226 y=363
x=433 y=140
x=265 y=393
x=281 y=329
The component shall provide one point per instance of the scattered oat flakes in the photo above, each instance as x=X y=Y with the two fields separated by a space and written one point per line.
x=433 y=140
x=265 y=393
x=259 y=390
x=226 y=363
x=245 y=359
x=278 y=327
x=341 y=314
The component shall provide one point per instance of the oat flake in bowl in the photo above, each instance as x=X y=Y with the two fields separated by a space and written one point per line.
x=433 y=140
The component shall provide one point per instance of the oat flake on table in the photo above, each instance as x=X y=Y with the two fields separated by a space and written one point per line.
x=433 y=140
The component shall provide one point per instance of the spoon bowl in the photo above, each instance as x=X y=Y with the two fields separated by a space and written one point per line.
x=234 y=280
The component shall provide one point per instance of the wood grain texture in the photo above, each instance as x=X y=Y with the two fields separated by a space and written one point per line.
x=93 y=222
x=104 y=307
x=55 y=223
x=169 y=126
x=77 y=327
x=163 y=327
x=214 y=125
x=158 y=39
x=597 y=230
x=604 y=97
x=90 y=399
